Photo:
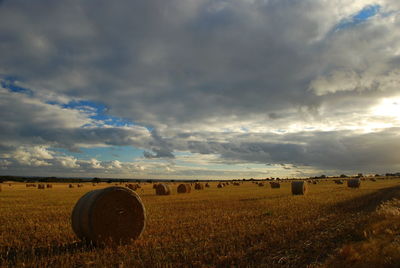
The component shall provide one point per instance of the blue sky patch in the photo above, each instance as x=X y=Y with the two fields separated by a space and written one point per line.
x=10 y=83
x=363 y=15
x=98 y=111
x=120 y=153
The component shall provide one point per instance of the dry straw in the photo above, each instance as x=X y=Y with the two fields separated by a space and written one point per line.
x=275 y=185
x=112 y=215
x=354 y=183
x=184 y=188
x=199 y=186
x=299 y=187
x=163 y=189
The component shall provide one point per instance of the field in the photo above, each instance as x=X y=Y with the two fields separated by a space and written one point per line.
x=240 y=226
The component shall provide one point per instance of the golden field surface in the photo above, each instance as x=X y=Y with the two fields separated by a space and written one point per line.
x=240 y=226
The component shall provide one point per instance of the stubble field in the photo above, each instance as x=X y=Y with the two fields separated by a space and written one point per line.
x=240 y=226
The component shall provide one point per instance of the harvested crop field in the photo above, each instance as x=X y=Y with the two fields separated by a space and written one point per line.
x=240 y=226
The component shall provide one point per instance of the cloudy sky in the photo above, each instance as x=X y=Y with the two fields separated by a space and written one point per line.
x=199 y=88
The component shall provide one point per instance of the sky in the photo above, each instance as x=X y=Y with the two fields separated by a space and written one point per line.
x=199 y=89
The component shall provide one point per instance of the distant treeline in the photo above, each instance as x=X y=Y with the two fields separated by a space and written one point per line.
x=113 y=180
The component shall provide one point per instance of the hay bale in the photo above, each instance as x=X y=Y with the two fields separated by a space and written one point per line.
x=261 y=184
x=41 y=186
x=163 y=189
x=184 y=188
x=372 y=179
x=155 y=185
x=49 y=186
x=198 y=186
x=299 y=187
x=338 y=181
x=131 y=186
x=220 y=185
x=80 y=185
x=354 y=183
x=70 y=186
x=314 y=182
x=275 y=185
x=207 y=185
x=111 y=215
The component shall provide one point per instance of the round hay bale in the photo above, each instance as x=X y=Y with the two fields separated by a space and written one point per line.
x=275 y=185
x=163 y=189
x=70 y=186
x=220 y=185
x=41 y=186
x=207 y=185
x=184 y=188
x=260 y=184
x=49 y=186
x=299 y=187
x=133 y=187
x=198 y=186
x=110 y=215
x=354 y=183
x=155 y=185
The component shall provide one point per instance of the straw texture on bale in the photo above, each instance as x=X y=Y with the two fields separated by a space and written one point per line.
x=199 y=186
x=184 y=188
x=163 y=189
x=110 y=215
x=275 y=185
x=354 y=183
x=299 y=187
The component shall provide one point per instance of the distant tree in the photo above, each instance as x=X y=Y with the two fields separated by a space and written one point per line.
x=343 y=176
x=95 y=180
x=359 y=175
x=322 y=176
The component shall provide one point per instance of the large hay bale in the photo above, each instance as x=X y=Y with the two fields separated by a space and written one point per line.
x=110 y=215
x=41 y=186
x=199 y=186
x=220 y=185
x=155 y=185
x=299 y=187
x=354 y=183
x=275 y=185
x=71 y=186
x=207 y=185
x=163 y=189
x=49 y=186
x=184 y=188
